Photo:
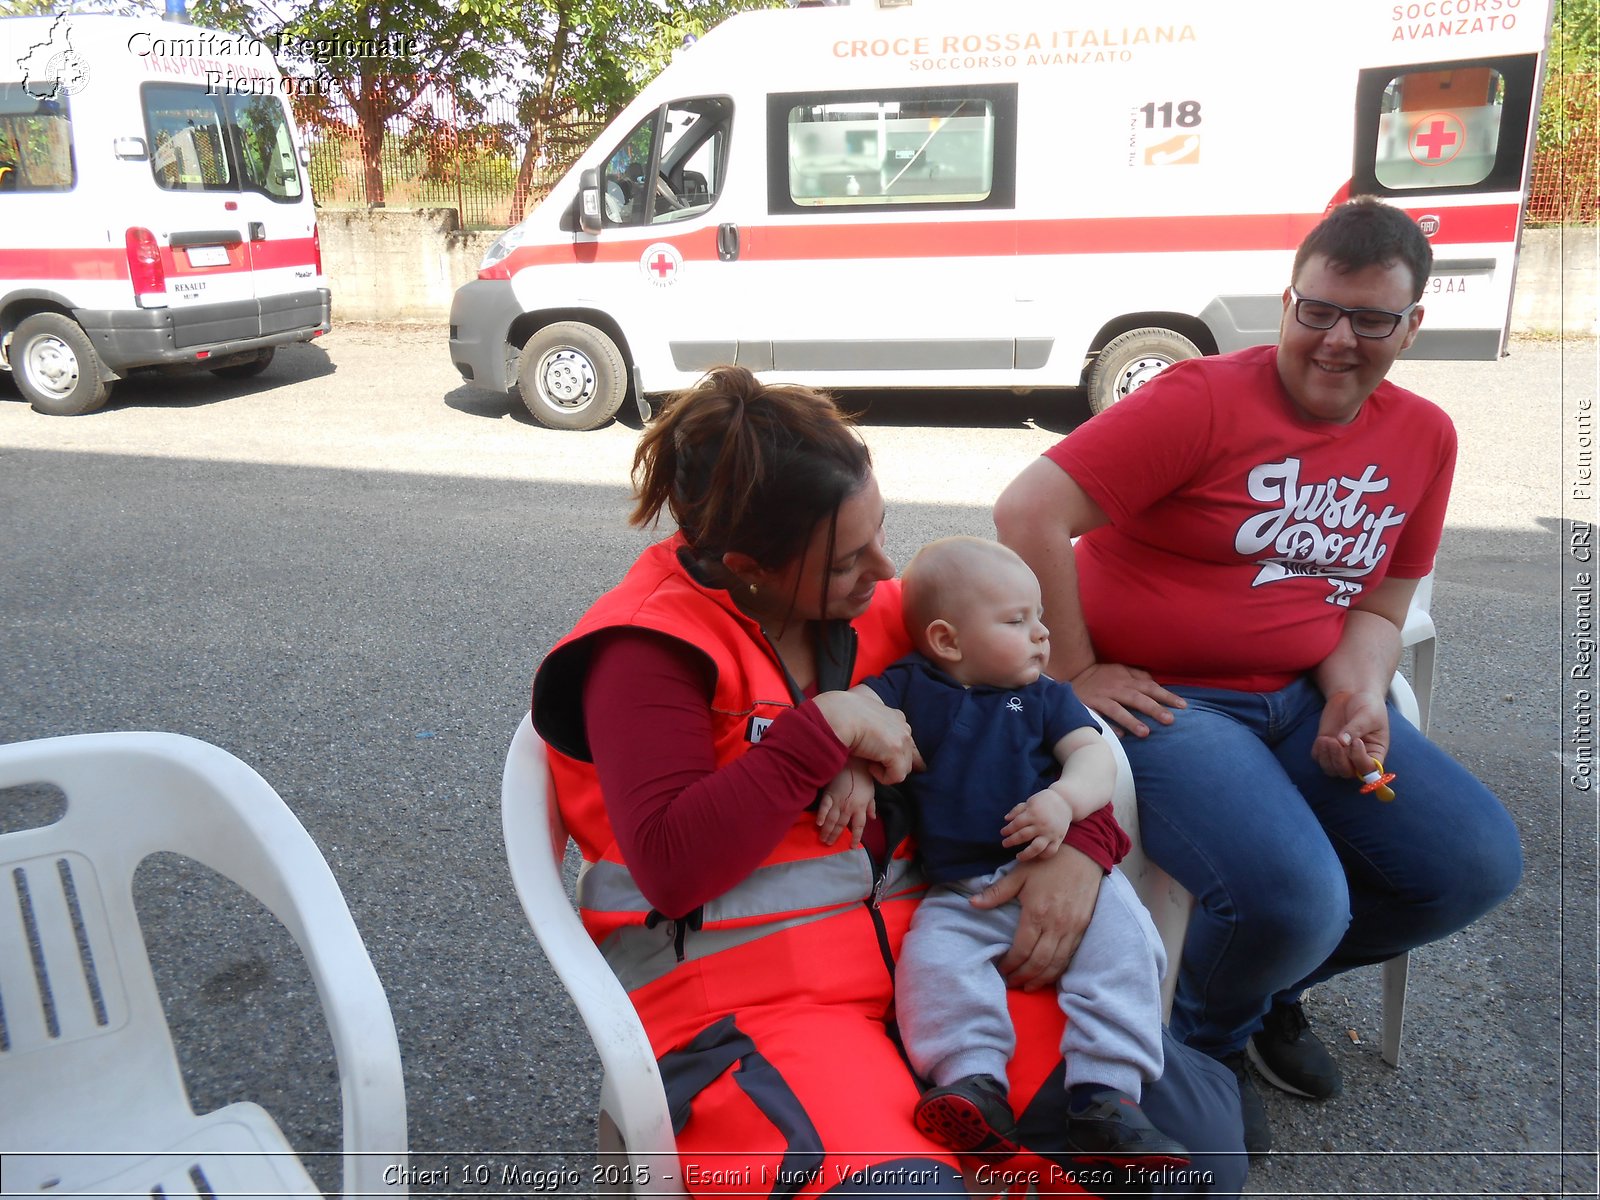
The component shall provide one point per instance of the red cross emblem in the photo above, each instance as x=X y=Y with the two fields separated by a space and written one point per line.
x=1437 y=138
x=660 y=263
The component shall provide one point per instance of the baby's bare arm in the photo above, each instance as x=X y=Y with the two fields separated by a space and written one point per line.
x=1088 y=773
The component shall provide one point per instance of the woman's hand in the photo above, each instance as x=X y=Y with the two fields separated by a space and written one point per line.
x=1119 y=693
x=871 y=731
x=1058 y=895
x=1353 y=732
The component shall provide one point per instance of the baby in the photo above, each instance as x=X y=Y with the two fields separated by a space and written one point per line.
x=1013 y=758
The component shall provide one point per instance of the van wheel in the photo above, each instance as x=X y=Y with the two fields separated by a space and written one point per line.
x=246 y=370
x=1132 y=360
x=572 y=376
x=56 y=366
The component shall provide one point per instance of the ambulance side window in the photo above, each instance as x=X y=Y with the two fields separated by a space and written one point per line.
x=36 y=153
x=671 y=165
x=188 y=139
x=889 y=149
x=694 y=156
x=266 y=149
x=626 y=198
x=1451 y=127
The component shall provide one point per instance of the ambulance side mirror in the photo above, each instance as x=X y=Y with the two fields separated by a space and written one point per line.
x=132 y=149
x=590 y=198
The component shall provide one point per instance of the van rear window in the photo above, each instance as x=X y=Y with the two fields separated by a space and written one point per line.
x=1443 y=128
x=204 y=142
x=35 y=142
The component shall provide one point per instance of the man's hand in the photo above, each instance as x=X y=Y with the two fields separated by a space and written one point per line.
x=1058 y=896
x=1037 y=825
x=1354 y=731
x=848 y=802
x=1120 y=693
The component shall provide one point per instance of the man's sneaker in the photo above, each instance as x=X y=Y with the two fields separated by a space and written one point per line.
x=970 y=1116
x=1253 y=1113
x=1108 y=1126
x=1290 y=1057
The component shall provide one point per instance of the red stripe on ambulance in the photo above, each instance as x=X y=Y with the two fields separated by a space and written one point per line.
x=999 y=239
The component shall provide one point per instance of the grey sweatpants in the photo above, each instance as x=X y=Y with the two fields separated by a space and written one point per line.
x=950 y=997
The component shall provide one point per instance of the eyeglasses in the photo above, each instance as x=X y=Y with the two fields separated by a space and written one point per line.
x=1364 y=322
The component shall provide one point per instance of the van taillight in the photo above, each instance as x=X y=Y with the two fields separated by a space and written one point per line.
x=316 y=246
x=144 y=265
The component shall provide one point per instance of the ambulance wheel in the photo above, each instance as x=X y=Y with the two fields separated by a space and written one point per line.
x=572 y=376
x=246 y=370
x=56 y=366
x=1132 y=360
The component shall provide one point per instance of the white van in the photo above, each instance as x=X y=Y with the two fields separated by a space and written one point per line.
x=154 y=209
x=1007 y=194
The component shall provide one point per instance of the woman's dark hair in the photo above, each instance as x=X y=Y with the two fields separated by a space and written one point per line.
x=1365 y=233
x=747 y=467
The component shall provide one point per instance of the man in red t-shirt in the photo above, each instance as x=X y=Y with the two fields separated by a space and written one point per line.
x=1252 y=529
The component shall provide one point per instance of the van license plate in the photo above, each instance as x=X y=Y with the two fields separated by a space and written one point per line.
x=208 y=256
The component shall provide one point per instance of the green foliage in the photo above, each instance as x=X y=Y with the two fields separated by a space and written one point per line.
x=1572 y=75
x=593 y=56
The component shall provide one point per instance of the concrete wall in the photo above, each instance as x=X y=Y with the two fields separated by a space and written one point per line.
x=391 y=264
x=1558 y=290
x=404 y=265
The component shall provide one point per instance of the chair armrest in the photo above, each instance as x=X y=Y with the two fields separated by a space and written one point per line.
x=633 y=1079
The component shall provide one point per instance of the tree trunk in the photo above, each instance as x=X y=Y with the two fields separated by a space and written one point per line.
x=369 y=113
x=541 y=121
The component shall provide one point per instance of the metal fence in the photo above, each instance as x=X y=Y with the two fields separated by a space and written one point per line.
x=444 y=151
x=465 y=153
x=1566 y=175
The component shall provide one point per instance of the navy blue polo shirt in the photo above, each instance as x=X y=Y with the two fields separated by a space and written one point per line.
x=986 y=750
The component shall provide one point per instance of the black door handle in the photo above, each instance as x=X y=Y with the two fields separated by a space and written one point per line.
x=258 y=231
x=727 y=242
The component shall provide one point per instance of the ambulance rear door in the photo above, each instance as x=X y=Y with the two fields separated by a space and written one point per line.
x=1451 y=143
x=235 y=223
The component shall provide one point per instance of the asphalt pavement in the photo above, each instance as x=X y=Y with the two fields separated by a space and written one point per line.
x=346 y=570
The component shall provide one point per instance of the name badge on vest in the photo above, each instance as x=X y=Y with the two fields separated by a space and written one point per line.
x=757 y=729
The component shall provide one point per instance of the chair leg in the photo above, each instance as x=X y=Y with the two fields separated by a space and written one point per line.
x=1394 y=1006
x=1422 y=670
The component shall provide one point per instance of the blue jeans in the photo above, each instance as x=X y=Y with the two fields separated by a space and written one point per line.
x=1298 y=876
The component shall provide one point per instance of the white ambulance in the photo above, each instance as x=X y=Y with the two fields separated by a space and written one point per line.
x=1007 y=194
x=154 y=207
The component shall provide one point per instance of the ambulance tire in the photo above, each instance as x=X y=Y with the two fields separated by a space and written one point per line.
x=572 y=376
x=246 y=370
x=1131 y=360
x=56 y=366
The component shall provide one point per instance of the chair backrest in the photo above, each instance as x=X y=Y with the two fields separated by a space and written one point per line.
x=633 y=1108
x=85 y=1029
x=1419 y=618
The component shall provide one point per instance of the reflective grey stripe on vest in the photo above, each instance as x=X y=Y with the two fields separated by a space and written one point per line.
x=639 y=955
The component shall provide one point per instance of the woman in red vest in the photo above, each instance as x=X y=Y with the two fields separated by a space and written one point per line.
x=696 y=712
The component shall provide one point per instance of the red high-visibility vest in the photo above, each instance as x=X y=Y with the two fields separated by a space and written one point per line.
x=750 y=690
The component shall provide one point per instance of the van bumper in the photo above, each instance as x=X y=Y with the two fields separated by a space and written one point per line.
x=148 y=337
x=480 y=318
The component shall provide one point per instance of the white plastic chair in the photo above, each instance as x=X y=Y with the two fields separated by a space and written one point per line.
x=1419 y=634
x=633 y=1119
x=92 y=1099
